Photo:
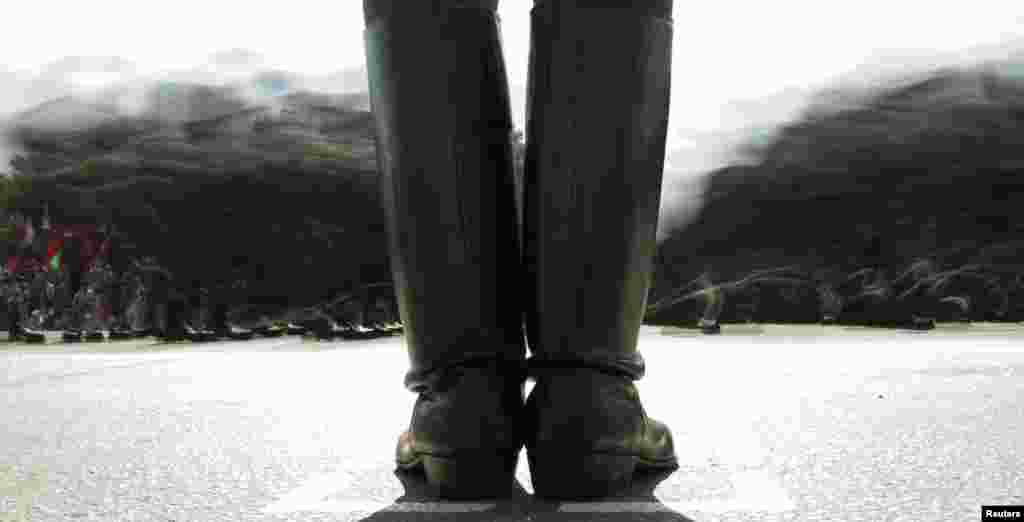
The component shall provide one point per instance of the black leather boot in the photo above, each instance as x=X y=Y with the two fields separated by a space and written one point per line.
x=29 y=335
x=444 y=152
x=71 y=335
x=597 y=120
x=174 y=320
x=466 y=429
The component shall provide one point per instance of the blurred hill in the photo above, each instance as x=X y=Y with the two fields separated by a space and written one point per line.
x=280 y=196
x=274 y=184
x=932 y=167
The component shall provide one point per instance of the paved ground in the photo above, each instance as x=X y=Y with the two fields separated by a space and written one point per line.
x=777 y=423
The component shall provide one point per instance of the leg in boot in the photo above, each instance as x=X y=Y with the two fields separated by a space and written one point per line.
x=73 y=326
x=219 y=315
x=443 y=147
x=174 y=329
x=13 y=321
x=598 y=111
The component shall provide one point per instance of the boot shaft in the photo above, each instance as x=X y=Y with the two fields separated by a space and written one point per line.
x=444 y=155
x=597 y=122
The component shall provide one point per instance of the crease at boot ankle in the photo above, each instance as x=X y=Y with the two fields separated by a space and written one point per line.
x=437 y=379
x=630 y=366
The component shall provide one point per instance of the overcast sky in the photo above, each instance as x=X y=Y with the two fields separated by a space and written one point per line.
x=736 y=62
x=724 y=50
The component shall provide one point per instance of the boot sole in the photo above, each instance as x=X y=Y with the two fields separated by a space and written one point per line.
x=556 y=475
x=466 y=477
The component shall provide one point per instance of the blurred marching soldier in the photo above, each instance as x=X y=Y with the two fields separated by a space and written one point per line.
x=117 y=299
x=914 y=300
x=197 y=325
x=51 y=279
x=219 y=311
x=70 y=251
x=231 y=291
x=72 y=261
x=830 y=301
x=21 y=268
x=177 y=306
x=89 y=313
x=69 y=258
x=11 y=307
x=24 y=305
x=16 y=301
x=157 y=281
x=714 y=303
x=137 y=314
x=37 y=291
x=117 y=259
x=196 y=300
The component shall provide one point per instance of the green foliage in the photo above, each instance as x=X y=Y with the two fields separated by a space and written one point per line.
x=12 y=189
x=255 y=218
x=8 y=232
x=88 y=168
x=328 y=151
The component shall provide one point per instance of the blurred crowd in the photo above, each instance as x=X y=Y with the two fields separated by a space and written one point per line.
x=916 y=297
x=141 y=298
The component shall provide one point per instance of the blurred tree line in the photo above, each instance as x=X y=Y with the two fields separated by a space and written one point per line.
x=930 y=170
x=283 y=219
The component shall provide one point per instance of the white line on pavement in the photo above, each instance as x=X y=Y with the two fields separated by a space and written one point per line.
x=371 y=506
x=755 y=491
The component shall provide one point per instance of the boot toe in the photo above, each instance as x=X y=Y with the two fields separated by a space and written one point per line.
x=461 y=475
x=406 y=455
x=658 y=450
x=464 y=435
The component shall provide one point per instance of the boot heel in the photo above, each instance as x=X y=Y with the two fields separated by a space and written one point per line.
x=475 y=476
x=580 y=476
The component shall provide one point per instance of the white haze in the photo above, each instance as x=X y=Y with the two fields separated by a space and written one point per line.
x=71 y=88
x=739 y=68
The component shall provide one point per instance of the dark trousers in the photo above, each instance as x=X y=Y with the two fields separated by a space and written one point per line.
x=597 y=122
x=219 y=317
x=175 y=321
x=13 y=318
x=75 y=278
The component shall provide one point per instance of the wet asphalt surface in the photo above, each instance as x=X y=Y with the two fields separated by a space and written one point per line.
x=770 y=423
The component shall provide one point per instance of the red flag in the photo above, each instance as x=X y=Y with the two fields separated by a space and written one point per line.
x=53 y=249
x=60 y=234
